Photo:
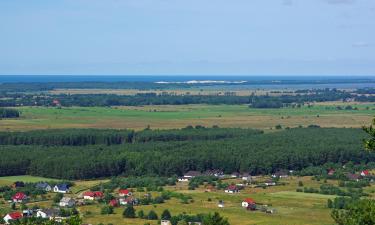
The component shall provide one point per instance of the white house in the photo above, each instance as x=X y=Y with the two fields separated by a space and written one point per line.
x=165 y=222
x=61 y=188
x=49 y=214
x=247 y=202
x=67 y=202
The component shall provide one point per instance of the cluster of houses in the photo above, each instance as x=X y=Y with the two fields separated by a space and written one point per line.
x=352 y=176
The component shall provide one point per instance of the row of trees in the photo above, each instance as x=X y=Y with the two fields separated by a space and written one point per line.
x=87 y=100
x=9 y=113
x=258 y=154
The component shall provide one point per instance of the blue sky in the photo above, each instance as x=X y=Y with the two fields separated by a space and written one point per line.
x=198 y=37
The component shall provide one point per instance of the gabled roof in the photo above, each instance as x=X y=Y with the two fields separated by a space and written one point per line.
x=66 y=199
x=124 y=191
x=232 y=187
x=15 y=215
x=51 y=212
x=62 y=187
x=93 y=194
x=249 y=200
x=193 y=173
x=19 y=196
x=366 y=172
x=42 y=185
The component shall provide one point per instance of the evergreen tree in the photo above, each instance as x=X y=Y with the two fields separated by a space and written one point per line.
x=129 y=212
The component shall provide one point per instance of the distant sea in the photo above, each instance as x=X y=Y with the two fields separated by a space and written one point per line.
x=323 y=81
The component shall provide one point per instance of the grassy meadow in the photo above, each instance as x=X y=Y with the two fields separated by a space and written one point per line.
x=178 y=116
x=292 y=208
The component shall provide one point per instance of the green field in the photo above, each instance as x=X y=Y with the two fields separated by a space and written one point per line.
x=177 y=116
x=27 y=179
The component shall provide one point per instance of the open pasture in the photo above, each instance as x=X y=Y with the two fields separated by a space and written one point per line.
x=178 y=116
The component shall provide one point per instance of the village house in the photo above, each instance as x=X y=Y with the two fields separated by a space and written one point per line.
x=220 y=204
x=67 y=202
x=231 y=189
x=214 y=173
x=43 y=186
x=280 y=174
x=270 y=183
x=27 y=213
x=61 y=188
x=365 y=173
x=353 y=177
x=93 y=195
x=127 y=201
x=18 y=184
x=165 y=222
x=235 y=175
x=246 y=177
x=50 y=214
x=113 y=203
x=189 y=175
x=19 y=197
x=124 y=192
x=331 y=172
x=12 y=216
x=247 y=202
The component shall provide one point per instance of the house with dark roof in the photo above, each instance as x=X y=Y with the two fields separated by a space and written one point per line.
x=18 y=184
x=61 y=188
x=43 y=186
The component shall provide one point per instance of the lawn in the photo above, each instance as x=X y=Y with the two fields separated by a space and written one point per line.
x=26 y=178
x=178 y=116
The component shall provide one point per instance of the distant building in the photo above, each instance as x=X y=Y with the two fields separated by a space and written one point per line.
x=67 y=202
x=331 y=172
x=165 y=222
x=93 y=195
x=19 y=197
x=220 y=204
x=50 y=214
x=365 y=173
x=270 y=183
x=43 y=186
x=231 y=189
x=61 y=188
x=18 y=184
x=12 y=216
x=248 y=202
x=124 y=192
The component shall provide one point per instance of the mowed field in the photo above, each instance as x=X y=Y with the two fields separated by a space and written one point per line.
x=292 y=208
x=178 y=116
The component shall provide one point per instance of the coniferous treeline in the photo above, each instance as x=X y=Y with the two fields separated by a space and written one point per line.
x=292 y=149
x=9 y=113
x=79 y=137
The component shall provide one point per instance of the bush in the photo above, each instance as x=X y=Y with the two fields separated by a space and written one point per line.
x=152 y=215
x=107 y=210
x=129 y=212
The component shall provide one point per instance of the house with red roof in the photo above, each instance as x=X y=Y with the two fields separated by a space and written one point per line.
x=124 y=192
x=12 y=216
x=19 y=197
x=331 y=172
x=113 y=203
x=93 y=195
x=248 y=202
x=232 y=189
x=365 y=173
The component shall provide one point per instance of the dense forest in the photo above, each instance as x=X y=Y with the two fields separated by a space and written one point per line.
x=155 y=154
x=9 y=113
x=87 y=100
x=80 y=137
